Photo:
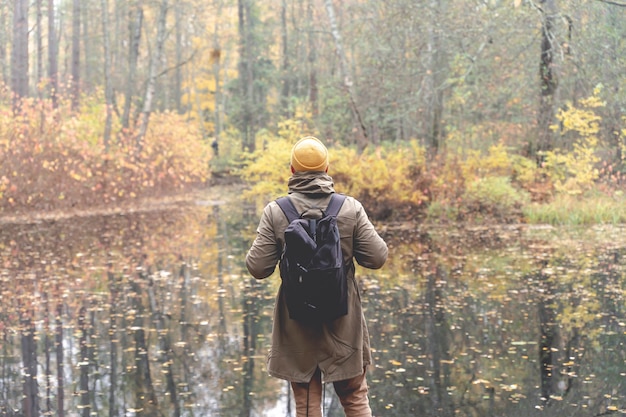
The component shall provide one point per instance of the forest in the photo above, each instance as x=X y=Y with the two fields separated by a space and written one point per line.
x=463 y=111
x=140 y=139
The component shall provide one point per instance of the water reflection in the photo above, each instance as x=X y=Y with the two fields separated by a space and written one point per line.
x=153 y=314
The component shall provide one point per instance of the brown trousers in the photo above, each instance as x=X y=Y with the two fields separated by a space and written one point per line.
x=351 y=392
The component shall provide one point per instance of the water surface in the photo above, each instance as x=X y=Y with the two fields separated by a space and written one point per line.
x=152 y=313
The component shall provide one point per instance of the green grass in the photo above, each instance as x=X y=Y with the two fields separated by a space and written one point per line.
x=578 y=210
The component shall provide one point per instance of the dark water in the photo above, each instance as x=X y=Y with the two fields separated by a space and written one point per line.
x=153 y=314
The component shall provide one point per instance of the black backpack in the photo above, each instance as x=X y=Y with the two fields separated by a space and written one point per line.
x=312 y=268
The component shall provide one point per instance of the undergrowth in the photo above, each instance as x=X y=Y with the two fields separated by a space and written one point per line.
x=53 y=158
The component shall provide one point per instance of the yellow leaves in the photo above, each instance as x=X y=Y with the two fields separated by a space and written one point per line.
x=385 y=174
x=267 y=169
x=62 y=160
x=496 y=162
x=574 y=171
x=381 y=176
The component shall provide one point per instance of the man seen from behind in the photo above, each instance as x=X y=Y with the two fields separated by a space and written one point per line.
x=338 y=351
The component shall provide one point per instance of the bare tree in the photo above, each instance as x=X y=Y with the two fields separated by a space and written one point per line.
x=108 y=89
x=548 y=340
x=3 y=40
x=433 y=92
x=547 y=78
x=58 y=341
x=75 y=68
x=39 y=41
x=19 y=52
x=178 y=76
x=153 y=73
x=83 y=384
x=285 y=65
x=145 y=393
x=346 y=76
x=113 y=343
x=52 y=53
x=135 y=24
x=312 y=61
x=216 y=54
x=246 y=72
x=30 y=398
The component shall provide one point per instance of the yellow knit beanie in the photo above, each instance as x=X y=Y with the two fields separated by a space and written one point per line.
x=309 y=154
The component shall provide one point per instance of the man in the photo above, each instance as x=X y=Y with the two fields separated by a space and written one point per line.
x=337 y=351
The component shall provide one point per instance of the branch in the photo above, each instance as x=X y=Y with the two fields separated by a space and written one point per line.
x=180 y=64
x=613 y=3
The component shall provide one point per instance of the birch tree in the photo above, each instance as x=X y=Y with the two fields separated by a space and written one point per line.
x=153 y=73
x=39 y=43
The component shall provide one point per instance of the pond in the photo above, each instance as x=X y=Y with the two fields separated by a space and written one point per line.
x=152 y=313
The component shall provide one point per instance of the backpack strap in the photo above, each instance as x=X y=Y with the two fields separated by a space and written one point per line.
x=286 y=205
x=336 y=201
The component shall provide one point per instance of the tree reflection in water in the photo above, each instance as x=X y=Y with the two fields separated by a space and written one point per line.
x=154 y=314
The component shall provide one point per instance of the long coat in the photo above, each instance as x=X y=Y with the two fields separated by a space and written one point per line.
x=341 y=349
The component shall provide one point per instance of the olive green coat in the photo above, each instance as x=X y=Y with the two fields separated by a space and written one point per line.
x=341 y=349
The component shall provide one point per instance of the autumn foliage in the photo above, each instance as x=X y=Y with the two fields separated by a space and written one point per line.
x=51 y=158
x=400 y=181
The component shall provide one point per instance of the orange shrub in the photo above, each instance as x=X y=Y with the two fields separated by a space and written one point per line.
x=52 y=158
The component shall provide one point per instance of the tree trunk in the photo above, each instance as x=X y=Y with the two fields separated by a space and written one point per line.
x=285 y=67
x=433 y=94
x=52 y=54
x=47 y=344
x=346 y=77
x=547 y=343
x=19 y=52
x=83 y=364
x=246 y=73
x=250 y=332
x=113 y=333
x=30 y=399
x=145 y=395
x=166 y=358
x=312 y=60
x=75 y=89
x=153 y=74
x=39 y=40
x=134 y=28
x=3 y=40
x=108 y=88
x=59 y=359
x=88 y=45
x=548 y=80
x=216 y=55
x=178 y=76
x=438 y=344
x=219 y=266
